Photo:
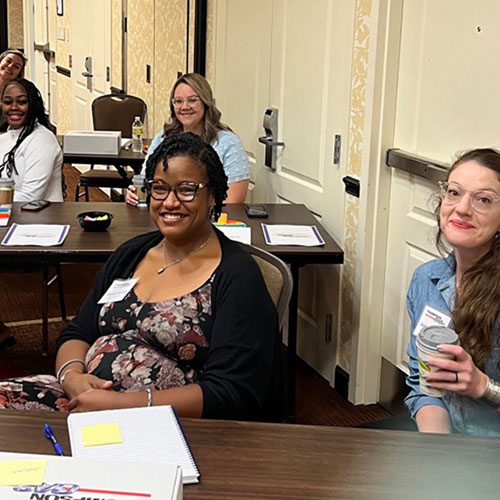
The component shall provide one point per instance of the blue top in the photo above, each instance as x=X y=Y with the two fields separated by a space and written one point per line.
x=231 y=152
x=433 y=284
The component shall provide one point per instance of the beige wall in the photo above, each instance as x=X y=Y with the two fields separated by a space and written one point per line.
x=15 y=23
x=116 y=44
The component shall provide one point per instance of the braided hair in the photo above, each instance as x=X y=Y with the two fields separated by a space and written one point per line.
x=36 y=114
x=192 y=146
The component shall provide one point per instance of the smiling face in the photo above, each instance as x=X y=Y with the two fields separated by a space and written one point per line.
x=15 y=105
x=189 y=115
x=182 y=221
x=464 y=227
x=10 y=67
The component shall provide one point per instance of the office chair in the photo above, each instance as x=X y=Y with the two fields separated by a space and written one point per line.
x=111 y=112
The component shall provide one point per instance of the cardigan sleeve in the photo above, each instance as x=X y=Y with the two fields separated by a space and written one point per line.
x=242 y=363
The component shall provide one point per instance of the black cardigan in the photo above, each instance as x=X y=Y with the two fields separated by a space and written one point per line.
x=242 y=377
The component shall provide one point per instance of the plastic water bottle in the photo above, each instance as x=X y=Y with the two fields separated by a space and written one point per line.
x=137 y=135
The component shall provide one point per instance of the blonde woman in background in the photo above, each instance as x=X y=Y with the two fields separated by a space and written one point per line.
x=192 y=109
x=12 y=63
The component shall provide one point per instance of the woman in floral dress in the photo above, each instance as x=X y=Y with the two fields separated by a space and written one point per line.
x=197 y=330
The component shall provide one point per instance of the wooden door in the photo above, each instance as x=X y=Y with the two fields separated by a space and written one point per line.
x=90 y=28
x=287 y=55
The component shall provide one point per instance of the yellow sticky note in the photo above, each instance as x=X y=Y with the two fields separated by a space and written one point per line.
x=97 y=435
x=22 y=472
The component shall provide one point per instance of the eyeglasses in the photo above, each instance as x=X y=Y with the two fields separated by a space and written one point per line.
x=482 y=201
x=192 y=101
x=184 y=191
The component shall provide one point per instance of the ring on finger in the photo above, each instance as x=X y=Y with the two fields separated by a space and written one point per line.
x=456 y=377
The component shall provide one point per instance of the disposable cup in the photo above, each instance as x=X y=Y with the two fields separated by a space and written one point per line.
x=140 y=191
x=6 y=191
x=427 y=341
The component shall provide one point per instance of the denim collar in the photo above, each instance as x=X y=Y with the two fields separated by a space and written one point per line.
x=443 y=276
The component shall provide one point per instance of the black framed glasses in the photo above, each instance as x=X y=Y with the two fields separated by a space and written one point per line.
x=481 y=201
x=192 y=101
x=184 y=191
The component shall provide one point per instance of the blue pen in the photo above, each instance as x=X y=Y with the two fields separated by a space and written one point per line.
x=50 y=436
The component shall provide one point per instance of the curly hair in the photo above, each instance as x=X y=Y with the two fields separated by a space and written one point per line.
x=477 y=303
x=36 y=114
x=192 y=146
x=211 y=116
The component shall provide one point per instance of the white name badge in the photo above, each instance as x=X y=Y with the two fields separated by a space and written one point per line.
x=118 y=290
x=431 y=317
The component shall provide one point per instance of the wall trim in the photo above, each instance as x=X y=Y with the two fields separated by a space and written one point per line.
x=200 y=37
x=4 y=26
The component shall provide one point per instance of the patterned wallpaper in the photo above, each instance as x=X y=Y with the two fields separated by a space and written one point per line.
x=140 y=51
x=64 y=108
x=351 y=219
x=116 y=44
x=170 y=53
x=15 y=23
x=210 y=69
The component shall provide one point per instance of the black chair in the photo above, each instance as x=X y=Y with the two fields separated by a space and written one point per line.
x=111 y=112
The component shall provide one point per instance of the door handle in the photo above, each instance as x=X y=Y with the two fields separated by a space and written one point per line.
x=87 y=74
x=268 y=141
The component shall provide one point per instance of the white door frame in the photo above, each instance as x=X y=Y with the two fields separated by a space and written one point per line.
x=383 y=66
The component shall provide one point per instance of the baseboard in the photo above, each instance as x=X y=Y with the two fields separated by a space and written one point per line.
x=341 y=382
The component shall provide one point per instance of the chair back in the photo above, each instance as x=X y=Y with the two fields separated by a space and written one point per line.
x=277 y=277
x=117 y=112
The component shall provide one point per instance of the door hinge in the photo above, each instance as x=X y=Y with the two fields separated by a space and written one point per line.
x=125 y=24
x=336 y=149
x=108 y=73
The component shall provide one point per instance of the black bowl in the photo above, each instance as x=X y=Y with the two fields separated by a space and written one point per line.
x=94 y=225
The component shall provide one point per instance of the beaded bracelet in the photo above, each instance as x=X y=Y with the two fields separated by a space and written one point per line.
x=492 y=392
x=67 y=363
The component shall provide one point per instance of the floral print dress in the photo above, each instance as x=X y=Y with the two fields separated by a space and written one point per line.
x=160 y=345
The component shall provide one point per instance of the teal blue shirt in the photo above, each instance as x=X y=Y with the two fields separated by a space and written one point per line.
x=433 y=284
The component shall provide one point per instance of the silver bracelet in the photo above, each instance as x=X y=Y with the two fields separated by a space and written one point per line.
x=150 y=397
x=63 y=378
x=492 y=391
x=67 y=363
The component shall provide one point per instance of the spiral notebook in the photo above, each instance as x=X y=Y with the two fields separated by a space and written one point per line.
x=147 y=435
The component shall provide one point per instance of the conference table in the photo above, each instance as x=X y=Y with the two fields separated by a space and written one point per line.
x=243 y=460
x=81 y=246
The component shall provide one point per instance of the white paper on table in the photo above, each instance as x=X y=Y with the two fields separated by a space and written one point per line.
x=40 y=235
x=285 y=234
x=126 y=143
x=237 y=233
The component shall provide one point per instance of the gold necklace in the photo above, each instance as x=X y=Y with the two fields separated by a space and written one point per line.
x=166 y=266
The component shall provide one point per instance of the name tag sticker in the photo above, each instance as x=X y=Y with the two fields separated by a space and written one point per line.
x=118 y=290
x=431 y=317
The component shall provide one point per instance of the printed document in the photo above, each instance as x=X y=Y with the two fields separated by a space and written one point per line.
x=285 y=234
x=39 y=235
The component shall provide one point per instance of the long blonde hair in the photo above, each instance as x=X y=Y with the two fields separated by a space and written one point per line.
x=211 y=117
x=477 y=305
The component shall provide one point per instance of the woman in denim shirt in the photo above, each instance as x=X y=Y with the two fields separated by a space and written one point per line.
x=466 y=286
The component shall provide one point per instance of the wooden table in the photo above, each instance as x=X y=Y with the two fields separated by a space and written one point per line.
x=239 y=460
x=130 y=221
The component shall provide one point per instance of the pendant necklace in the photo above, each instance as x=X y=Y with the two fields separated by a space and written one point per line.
x=166 y=266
